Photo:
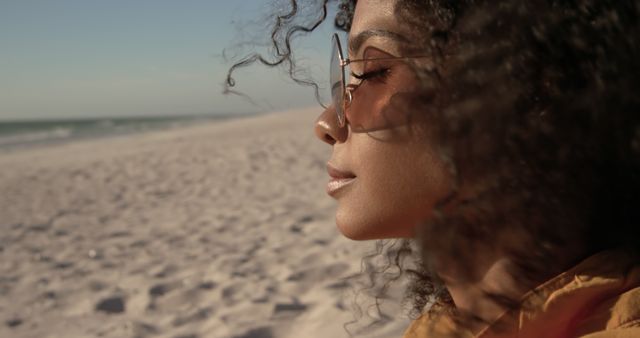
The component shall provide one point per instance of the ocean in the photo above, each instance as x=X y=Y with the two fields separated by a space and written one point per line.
x=19 y=134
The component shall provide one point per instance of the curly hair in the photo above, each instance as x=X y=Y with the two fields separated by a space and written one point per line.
x=538 y=119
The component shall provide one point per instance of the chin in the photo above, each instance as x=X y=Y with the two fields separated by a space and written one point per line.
x=361 y=230
x=351 y=232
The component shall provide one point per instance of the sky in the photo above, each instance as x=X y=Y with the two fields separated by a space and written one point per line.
x=98 y=58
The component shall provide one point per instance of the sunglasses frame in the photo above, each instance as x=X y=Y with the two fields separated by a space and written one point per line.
x=347 y=91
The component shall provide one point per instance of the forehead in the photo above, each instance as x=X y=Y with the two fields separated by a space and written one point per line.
x=371 y=20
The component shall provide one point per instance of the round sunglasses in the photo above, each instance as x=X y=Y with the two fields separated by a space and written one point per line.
x=341 y=94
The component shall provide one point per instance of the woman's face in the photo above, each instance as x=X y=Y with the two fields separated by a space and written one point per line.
x=387 y=180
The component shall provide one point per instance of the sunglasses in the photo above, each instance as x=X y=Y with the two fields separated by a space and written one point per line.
x=342 y=95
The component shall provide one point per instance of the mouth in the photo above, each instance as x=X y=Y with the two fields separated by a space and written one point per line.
x=339 y=179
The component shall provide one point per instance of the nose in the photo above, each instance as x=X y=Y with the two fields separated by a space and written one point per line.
x=327 y=129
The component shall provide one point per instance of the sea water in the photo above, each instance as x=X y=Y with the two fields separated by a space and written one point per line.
x=18 y=134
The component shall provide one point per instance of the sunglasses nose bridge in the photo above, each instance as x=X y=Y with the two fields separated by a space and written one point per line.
x=348 y=96
x=347 y=100
x=341 y=63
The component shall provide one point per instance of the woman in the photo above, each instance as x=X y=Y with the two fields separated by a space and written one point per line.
x=504 y=138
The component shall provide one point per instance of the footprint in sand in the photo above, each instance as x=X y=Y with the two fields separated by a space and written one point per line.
x=159 y=290
x=13 y=323
x=288 y=308
x=208 y=285
x=111 y=305
x=260 y=332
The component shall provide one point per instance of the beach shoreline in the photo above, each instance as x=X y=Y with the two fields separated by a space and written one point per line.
x=27 y=134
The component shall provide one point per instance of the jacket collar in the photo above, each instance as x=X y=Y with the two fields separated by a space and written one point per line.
x=558 y=307
x=563 y=306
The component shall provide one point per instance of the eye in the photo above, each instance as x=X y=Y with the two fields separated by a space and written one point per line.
x=374 y=74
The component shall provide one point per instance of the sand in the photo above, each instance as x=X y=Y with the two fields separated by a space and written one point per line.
x=216 y=230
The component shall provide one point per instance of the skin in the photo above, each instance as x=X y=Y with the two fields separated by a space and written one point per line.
x=400 y=177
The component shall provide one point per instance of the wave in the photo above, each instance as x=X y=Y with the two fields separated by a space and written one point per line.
x=57 y=133
x=27 y=133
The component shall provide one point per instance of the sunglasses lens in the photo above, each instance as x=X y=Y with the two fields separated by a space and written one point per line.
x=336 y=78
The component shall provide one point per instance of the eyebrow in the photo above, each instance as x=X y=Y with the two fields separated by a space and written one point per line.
x=356 y=42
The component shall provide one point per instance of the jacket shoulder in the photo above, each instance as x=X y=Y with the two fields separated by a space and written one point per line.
x=618 y=317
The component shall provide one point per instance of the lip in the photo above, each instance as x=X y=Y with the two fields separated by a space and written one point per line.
x=338 y=184
x=339 y=179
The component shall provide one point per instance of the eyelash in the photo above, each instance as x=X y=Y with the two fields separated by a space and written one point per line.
x=380 y=73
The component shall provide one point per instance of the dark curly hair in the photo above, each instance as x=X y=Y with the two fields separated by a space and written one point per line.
x=537 y=115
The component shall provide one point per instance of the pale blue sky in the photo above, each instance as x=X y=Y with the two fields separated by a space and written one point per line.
x=85 y=58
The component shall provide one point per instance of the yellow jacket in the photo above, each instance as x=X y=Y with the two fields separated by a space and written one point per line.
x=598 y=298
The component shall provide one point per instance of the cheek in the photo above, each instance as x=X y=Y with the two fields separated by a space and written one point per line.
x=396 y=188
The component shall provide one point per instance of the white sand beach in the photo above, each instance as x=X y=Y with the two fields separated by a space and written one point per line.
x=216 y=230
